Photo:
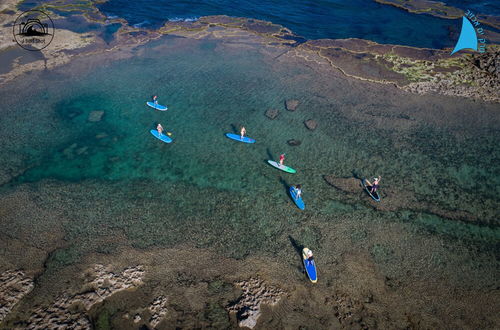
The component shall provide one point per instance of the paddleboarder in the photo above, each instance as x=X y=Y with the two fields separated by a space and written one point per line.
x=243 y=131
x=155 y=100
x=310 y=257
x=298 y=189
x=375 y=184
x=282 y=159
x=159 y=128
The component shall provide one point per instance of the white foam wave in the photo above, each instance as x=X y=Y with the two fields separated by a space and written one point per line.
x=183 y=19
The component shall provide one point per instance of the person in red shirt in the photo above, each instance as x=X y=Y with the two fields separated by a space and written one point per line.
x=282 y=159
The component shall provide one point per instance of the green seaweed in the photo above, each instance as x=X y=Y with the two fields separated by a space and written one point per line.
x=103 y=321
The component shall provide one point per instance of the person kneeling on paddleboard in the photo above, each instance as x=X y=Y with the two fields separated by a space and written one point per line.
x=243 y=131
x=282 y=159
x=159 y=128
x=298 y=189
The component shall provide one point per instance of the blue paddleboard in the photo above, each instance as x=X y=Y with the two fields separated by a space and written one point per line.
x=310 y=266
x=299 y=202
x=157 y=106
x=237 y=137
x=163 y=137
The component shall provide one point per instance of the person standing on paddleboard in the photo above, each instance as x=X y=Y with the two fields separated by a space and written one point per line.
x=375 y=184
x=155 y=100
x=282 y=159
x=159 y=128
x=298 y=189
x=243 y=131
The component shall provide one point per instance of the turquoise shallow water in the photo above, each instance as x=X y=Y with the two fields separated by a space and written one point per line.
x=116 y=179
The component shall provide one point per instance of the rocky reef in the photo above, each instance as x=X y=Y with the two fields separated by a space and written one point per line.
x=158 y=310
x=398 y=199
x=415 y=70
x=70 y=310
x=14 y=285
x=478 y=78
x=255 y=293
x=351 y=313
x=437 y=9
x=434 y=8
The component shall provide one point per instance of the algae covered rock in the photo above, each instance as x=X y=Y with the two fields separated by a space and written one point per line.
x=95 y=116
x=311 y=124
x=272 y=113
x=291 y=105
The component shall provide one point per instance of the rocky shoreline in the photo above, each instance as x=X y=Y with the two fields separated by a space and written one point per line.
x=437 y=9
x=416 y=70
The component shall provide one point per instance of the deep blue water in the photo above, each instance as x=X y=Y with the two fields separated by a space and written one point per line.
x=311 y=19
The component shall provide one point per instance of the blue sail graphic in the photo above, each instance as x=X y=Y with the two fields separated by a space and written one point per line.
x=468 y=37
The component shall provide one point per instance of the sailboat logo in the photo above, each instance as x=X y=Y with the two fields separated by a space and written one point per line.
x=468 y=37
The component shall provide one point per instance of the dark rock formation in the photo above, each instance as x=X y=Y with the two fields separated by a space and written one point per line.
x=311 y=124
x=255 y=293
x=291 y=105
x=272 y=113
x=489 y=63
x=294 y=142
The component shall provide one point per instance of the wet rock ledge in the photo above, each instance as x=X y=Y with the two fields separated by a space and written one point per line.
x=14 y=285
x=70 y=310
x=255 y=293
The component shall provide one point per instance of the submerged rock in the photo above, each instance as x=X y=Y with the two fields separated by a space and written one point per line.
x=272 y=113
x=311 y=124
x=100 y=285
x=82 y=150
x=255 y=293
x=95 y=116
x=14 y=285
x=158 y=310
x=348 y=185
x=69 y=151
x=294 y=142
x=291 y=105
